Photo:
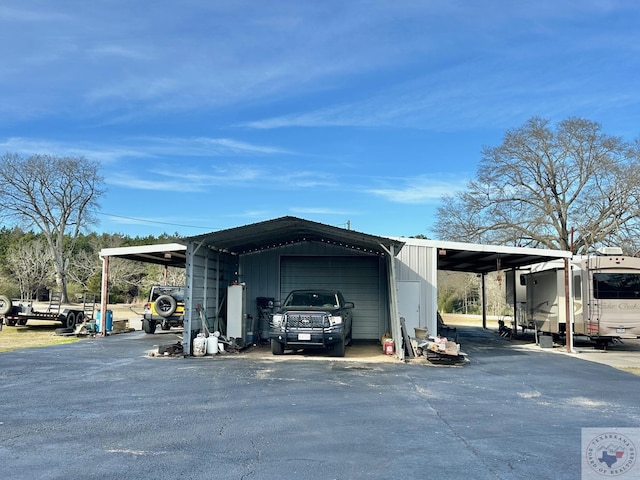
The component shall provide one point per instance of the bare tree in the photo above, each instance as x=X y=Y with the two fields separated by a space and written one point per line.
x=542 y=186
x=30 y=265
x=56 y=195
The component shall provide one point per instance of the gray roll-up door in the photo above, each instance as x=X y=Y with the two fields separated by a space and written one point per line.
x=357 y=277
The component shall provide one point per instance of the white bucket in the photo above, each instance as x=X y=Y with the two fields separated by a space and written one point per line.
x=212 y=345
x=199 y=345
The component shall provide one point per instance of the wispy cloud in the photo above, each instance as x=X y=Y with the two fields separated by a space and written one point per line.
x=141 y=147
x=419 y=190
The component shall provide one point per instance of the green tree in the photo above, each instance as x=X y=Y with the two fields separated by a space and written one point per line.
x=545 y=185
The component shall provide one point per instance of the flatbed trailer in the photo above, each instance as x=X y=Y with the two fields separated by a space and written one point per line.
x=20 y=313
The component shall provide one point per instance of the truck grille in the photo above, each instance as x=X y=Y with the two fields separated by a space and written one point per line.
x=307 y=320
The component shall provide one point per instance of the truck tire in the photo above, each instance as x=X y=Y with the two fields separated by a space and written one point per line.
x=69 y=321
x=5 y=305
x=338 y=349
x=276 y=347
x=149 y=326
x=165 y=305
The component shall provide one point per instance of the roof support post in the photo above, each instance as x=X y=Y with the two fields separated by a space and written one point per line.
x=568 y=307
x=104 y=296
x=394 y=318
x=483 y=279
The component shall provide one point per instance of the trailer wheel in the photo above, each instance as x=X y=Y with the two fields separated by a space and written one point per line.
x=149 y=326
x=165 y=305
x=69 y=321
x=5 y=305
x=22 y=322
x=10 y=322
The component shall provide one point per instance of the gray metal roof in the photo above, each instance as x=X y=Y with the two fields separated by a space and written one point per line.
x=477 y=258
x=289 y=230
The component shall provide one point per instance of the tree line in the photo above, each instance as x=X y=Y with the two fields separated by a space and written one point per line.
x=27 y=271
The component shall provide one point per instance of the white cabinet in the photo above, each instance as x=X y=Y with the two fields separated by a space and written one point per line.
x=236 y=311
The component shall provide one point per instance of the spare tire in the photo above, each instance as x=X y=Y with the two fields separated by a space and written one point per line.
x=5 y=305
x=165 y=305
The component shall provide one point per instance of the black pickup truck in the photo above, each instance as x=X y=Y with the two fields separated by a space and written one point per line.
x=312 y=318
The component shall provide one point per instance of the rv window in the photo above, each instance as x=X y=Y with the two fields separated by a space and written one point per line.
x=523 y=280
x=616 y=285
x=577 y=287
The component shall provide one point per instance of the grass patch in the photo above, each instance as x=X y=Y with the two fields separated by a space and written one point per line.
x=40 y=334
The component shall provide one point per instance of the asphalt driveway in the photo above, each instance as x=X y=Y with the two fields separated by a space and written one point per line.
x=101 y=408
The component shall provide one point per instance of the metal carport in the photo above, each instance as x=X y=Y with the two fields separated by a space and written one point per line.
x=218 y=259
x=212 y=262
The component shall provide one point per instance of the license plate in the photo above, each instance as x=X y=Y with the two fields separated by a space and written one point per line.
x=304 y=336
x=621 y=330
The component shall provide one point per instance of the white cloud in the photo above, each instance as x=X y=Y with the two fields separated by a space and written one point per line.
x=419 y=190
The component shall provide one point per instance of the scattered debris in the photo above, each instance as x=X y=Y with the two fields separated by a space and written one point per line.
x=170 y=350
x=503 y=330
x=440 y=350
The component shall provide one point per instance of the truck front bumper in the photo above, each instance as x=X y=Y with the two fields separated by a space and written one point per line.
x=308 y=338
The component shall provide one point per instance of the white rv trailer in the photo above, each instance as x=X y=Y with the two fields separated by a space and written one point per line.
x=606 y=296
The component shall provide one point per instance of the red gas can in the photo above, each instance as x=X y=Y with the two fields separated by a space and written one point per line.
x=389 y=347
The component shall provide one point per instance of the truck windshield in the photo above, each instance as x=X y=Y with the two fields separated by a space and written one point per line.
x=306 y=299
x=621 y=286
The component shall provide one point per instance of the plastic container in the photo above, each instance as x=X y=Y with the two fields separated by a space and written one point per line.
x=546 y=341
x=212 y=345
x=200 y=345
x=389 y=346
x=221 y=347
x=109 y=321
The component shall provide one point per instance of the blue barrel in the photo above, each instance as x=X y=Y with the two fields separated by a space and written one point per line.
x=109 y=325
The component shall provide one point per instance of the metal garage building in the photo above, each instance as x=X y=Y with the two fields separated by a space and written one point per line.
x=387 y=278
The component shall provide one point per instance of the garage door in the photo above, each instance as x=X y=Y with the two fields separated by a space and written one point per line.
x=356 y=277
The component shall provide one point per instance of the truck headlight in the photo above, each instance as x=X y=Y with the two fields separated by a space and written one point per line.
x=333 y=321
x=276 y=321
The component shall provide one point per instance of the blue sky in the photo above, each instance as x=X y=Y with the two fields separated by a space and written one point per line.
x=211 y=114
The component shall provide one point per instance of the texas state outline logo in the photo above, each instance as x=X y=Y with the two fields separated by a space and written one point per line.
x=609 y=453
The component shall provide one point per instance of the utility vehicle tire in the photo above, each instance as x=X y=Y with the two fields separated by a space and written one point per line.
x=149 y=326
x=276 y=347
x=165 y=305
x=5 y=305
x=69 y=321
x=338 y=349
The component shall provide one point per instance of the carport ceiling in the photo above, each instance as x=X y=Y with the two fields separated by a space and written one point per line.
x=461 y=257
x=169 y=254
x=288 y=230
